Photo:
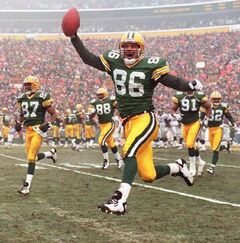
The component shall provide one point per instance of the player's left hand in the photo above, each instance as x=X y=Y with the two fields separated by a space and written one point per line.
x=196 y=85
x=45 y=126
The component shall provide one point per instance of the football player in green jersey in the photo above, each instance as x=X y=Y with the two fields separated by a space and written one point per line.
x=6 y=119
x=104 y=108
x=215 y=130
x=56 y=129
x=78 y=126
x=33 y=104
x=189 y=104
x=69 y=127
x=135 y=77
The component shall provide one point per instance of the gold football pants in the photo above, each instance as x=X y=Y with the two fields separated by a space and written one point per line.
x=5 y=131
x=69 y=132
x=56 y=131
x=89 y=132
x=139 y=132
x=78 y=130
x=190 y=133
x=215 y=137
x=33 y=144
x=106 y=134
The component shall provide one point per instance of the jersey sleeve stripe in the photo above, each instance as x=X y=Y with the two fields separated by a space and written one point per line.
x=175 y=99
x=160 y=71
x=105 y=63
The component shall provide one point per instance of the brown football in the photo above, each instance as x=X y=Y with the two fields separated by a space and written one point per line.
x=71 y=22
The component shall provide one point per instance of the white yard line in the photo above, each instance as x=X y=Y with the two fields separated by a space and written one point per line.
x=137 y=184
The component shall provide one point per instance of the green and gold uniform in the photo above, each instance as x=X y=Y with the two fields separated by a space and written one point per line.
x=189 y=106
x=105 y=112
x=6 y=126
x=56 y=128
x=134 y=88
x=89 y=126
x=69 y=126
x=215 y=131
x=34 y=109
x=78 y=124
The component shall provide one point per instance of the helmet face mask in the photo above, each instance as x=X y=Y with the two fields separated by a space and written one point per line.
x=216 y=101
x=31 y=85
x=102 y=94
x=132 y=48
x=215 y=98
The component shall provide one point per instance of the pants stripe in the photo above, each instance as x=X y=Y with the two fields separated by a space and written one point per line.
x=139 y=140
x=108 y=133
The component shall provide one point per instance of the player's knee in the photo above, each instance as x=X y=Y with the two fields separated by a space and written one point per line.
x=189 y=144
x=147 y=177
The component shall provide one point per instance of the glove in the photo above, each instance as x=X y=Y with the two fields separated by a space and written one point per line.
x=44 y=127
x=18 y=126
x=196 y=85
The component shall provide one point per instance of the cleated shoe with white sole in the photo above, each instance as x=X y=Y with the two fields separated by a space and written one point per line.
x=210 y=170
x=120 y=163
x=54 y=156
x=25 y=189
x=184 y=172
x=105 y=165
x=114 y=205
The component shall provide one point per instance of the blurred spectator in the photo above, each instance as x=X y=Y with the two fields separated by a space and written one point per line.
x=70 y=81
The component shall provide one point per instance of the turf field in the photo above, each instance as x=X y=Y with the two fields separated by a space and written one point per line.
x=62 y=204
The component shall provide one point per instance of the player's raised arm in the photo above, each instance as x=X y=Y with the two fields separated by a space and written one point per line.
x=87 y=57
x=70 y=26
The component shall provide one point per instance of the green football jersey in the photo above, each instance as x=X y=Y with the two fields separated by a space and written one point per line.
x=134 y=85
x=104 y=109
x=77 y=117
x=89 y=119
x=6 y=120
x=189 y=105
x=70 y=119
x=34 y=107
x=217 y=114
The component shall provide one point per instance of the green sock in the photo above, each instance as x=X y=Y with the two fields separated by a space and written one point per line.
x=215 y=157
x=130 y=170
x=31 y=168
x=162 y=170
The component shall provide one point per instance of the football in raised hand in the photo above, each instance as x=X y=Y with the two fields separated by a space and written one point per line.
x=71 y=22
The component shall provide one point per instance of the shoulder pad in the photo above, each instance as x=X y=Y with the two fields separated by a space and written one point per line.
x=200 y=93
x=225 y=105
x=111 y=55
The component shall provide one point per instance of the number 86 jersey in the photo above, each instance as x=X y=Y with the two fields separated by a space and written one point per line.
x=134 y=85
x=34 y=107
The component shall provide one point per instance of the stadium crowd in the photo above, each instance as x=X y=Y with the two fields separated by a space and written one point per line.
x=69 y=81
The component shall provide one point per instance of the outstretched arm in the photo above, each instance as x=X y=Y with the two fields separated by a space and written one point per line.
x=176 y=83
x=87 y=57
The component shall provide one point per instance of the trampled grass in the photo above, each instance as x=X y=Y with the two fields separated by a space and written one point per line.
x=64 y=196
